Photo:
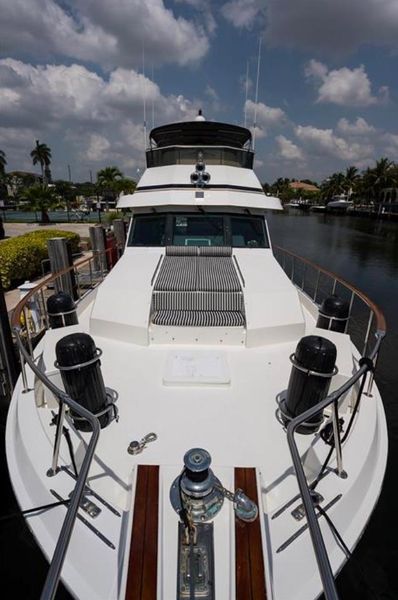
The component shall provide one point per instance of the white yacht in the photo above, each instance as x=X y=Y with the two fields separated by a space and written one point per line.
x=339 y=203
x=204 y=422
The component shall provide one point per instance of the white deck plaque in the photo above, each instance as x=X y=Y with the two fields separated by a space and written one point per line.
x=195 y=367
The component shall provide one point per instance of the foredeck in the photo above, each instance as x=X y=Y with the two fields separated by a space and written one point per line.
x=231 y=413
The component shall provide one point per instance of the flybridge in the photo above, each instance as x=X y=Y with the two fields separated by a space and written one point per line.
x=200 y=133
x=220 y=144
x=221 y=152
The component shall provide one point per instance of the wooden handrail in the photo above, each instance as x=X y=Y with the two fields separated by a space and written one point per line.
x=381 y=321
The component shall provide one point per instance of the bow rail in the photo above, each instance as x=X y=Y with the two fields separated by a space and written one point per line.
x=29 y=322
x=366 y=324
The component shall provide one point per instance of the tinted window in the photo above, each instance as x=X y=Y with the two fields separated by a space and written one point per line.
x=248 y=232
x=198 y=230
x=148 y=231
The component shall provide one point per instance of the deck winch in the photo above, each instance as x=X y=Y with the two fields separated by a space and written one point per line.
x=78 y=360
x=200 y=493
x=334 y=313
x=314 y=364
x=61 y=310
x=197 y=489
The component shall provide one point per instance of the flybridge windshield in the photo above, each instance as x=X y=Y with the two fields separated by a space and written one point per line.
x=233 y=157
x=187 y=229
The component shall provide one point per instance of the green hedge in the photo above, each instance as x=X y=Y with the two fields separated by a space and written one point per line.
x=20 y=257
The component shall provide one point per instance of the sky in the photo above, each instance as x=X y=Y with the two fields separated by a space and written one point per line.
x=79 y=75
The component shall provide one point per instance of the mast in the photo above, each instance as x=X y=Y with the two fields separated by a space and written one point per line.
x=256 y=97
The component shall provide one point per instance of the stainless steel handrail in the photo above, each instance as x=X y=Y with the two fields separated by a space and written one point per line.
x=54 y=573
x=318 y=543
x=61 y=548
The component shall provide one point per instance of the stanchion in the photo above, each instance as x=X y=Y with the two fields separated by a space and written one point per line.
x=8 y=362
x=120 y=234
x=60 y=255
x=97 y=238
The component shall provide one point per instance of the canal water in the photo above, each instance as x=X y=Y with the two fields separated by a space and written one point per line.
x=365 y=253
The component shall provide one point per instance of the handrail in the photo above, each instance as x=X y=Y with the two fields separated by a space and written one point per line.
x=54 y=572
x=16 y=315
x=61 y=548
x=381 y=321
x=365 y=365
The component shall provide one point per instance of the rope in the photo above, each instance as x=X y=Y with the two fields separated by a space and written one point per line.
x=33 y=510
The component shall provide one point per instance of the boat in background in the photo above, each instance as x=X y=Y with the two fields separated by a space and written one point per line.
x=298 y=204
x=218 y=394
x=318 y=208
x=339 y=203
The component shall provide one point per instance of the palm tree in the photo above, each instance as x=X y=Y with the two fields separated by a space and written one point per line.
x=351 y=179
x=3 y=163
x=41 y=154
x=108 y=179
x=333 y=185
x=125 y=186
x=383 y=175
x=39 y=198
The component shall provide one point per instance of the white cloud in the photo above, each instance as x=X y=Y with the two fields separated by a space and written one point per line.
x=266 y=116
x=288 y=149
x=358 y=127
x=98 y=147
x=110 y=33
x=243 y=13
x=345 y=87
x=390 y=145
x=334 y=27
x=80 y=114
x=323 y=142
x=204 y=8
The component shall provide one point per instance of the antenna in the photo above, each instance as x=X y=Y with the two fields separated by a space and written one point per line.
x=153 y=102
x=247 y=90
x=144 y=99
x=256 y=98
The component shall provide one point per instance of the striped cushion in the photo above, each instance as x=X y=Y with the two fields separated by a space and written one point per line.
x=198 y=301
x=182 y=250
x=198 y=318
x=215 y=251
x=177 y=273
x=198 y=251
x=198 y=287
x=217 y=274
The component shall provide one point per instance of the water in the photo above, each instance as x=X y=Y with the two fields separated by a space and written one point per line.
x=56 y=216
x=365 y=253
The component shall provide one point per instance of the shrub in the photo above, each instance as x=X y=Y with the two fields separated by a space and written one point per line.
x=20 y=257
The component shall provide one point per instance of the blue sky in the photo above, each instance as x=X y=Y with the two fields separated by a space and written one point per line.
x=71 y=75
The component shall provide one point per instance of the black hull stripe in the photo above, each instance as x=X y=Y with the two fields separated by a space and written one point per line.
x=183 y=186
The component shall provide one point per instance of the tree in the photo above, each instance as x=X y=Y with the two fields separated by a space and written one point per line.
x=3 y=163
x=108 y=180
x=351 y=181
x=125 y=186
x=333 y=185
x=39 y=198
x=41 y=155
x=383 y=175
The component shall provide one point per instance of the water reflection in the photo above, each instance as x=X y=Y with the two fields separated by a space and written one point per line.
x=365 y=253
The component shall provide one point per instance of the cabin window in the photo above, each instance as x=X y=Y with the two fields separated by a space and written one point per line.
x=148 y=231
x=198 y=230
x=248 y=232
